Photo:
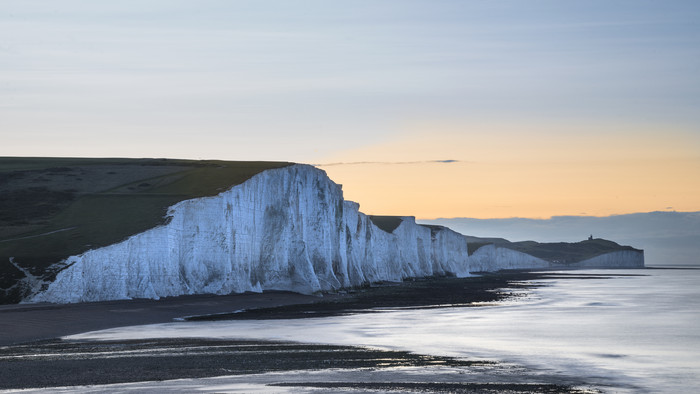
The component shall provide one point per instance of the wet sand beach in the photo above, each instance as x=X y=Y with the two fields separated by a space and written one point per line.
x=29 y=322
x=21 y=323
x=33 y=355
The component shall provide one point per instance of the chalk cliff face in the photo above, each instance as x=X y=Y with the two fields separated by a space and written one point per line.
x=494 y=258
x=619 y=259
x=284 y=229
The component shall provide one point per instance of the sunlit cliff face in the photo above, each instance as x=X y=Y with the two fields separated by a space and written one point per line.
x=525 y=171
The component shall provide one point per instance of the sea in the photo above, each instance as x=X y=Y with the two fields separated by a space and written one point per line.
x=620 y=331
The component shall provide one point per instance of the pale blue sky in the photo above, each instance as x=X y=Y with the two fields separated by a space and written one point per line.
x=299 y=80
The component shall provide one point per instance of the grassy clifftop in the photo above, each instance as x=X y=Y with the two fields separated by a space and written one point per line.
x=51 y=208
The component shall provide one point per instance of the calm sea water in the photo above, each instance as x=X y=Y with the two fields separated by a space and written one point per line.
x=638 y=333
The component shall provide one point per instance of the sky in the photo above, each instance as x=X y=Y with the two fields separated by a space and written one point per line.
x=434 y=108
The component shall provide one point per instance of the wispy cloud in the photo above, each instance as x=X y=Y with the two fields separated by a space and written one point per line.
x=353 y=163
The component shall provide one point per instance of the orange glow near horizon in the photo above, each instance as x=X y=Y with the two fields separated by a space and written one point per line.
x=501 y=174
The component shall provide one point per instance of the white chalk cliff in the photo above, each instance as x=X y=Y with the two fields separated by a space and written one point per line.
x=283 y=229
x=617 y=259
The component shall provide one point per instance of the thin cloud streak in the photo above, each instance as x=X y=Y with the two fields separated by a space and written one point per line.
x=352 y=163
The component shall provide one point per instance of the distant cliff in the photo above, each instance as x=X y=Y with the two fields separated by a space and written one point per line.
x=489 y=254
x=283 y=229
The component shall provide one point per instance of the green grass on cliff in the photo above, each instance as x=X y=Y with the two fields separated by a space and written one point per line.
x=568 y=252
x=51 y=208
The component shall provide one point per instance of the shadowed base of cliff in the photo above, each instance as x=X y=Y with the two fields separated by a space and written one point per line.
x=414 y=293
